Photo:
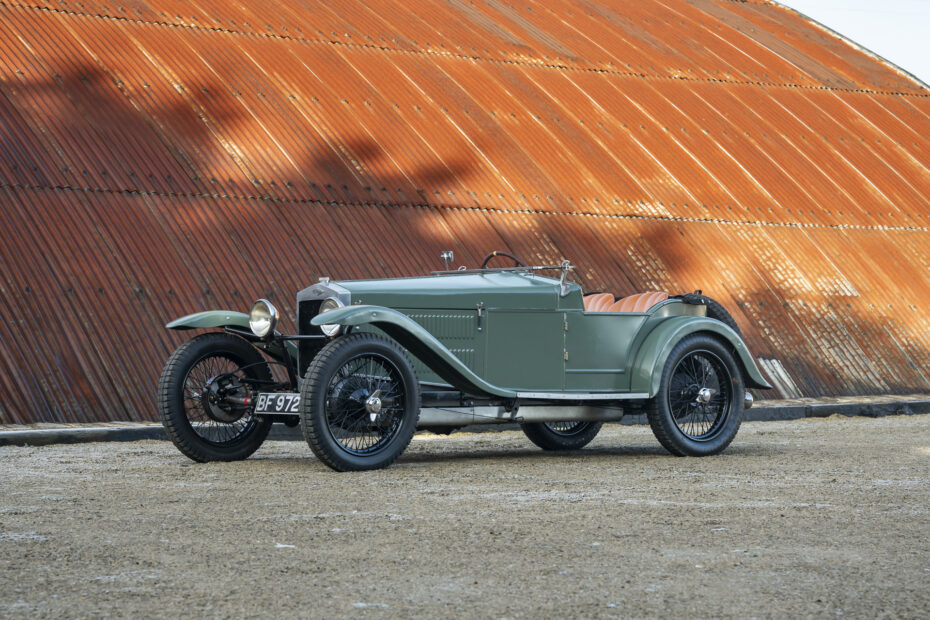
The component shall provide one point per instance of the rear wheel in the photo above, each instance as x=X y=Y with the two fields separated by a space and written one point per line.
x=359 y=403
x=197 y=396
x=700 y=401
x=561 y=435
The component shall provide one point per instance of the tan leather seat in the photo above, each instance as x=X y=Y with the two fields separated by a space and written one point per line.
x=637 y=303
x=598 y=302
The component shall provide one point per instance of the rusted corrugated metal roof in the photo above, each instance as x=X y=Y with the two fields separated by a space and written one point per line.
x=163 y=157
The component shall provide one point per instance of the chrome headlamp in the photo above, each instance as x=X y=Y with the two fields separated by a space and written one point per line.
x=263 y=318
x=330 y=304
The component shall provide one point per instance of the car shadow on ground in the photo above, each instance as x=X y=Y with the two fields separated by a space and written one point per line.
x=630 y=452
x=436 y=454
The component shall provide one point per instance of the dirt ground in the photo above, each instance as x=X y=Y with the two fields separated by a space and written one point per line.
x=816 y=517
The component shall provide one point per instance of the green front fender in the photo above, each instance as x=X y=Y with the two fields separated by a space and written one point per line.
x=647 y=369
x=411 y=335
x=231 y=318
x=211 y=318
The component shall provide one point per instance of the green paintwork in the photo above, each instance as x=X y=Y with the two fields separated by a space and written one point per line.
x=527 y=349
x=231 y=318
x=574 y=300
x=413 y=337
x=210 y=318
x=655 y=349
x=598 y=346
x=501 y=333
x=458 y=331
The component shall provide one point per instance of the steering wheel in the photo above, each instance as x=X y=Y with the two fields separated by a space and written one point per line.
x=487 y=259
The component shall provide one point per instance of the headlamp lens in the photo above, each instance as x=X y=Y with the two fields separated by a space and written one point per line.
x=262 y=318
x=326 y=306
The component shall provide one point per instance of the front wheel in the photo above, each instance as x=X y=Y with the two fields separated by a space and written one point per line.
x=203 y=397
x=359 y=403
x=561 y=435
x=700 y=401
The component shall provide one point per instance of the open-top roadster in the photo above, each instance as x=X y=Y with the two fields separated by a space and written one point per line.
x=373 y=360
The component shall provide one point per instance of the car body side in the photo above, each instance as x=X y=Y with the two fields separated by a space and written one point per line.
x=507 y=335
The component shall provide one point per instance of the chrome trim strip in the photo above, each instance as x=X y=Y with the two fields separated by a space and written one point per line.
x=583 y=396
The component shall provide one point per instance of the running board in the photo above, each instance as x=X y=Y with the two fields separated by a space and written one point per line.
x=463 y=416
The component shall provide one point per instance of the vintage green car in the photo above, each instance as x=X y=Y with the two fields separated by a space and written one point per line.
x=373 y=360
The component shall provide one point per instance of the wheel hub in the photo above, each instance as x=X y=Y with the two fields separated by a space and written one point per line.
x=360 y=403
x=704 y=395
x=698 y=397
x=373 y=405
x=702 y=398
x=213 y=399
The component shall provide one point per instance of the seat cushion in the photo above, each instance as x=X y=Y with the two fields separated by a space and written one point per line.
x=598 y=302
x=637 y=303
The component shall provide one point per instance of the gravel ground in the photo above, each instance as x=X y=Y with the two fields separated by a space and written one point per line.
x=816 y=517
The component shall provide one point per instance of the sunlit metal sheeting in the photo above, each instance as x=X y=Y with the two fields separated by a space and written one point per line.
x=160 y=158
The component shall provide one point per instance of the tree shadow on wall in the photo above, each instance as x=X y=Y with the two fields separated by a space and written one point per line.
x=357 y=169
x=86 y=127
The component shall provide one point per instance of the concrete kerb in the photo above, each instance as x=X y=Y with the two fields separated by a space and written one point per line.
x=763 y=411
x=28 y=436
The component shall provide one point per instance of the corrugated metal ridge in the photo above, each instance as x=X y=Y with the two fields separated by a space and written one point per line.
x=440 y=206
x=541 y=64
x=844 y=38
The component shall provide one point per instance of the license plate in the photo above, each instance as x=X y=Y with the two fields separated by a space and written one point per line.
x=281 y=403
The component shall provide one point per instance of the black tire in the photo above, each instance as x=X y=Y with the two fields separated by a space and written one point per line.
x=684 y=425
x=333 y=414
x=210 y=432
x=561 y=435
x=714 y=309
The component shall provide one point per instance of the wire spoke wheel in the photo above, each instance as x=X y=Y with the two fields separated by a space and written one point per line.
x=201 y=396
x=566 y=429
x=698 y=407
x=350 y=422
x=561 y=435
x=700 y=394
x=359 y=402
x=213 y=377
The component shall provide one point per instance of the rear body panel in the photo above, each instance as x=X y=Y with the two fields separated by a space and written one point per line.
x=597 y=347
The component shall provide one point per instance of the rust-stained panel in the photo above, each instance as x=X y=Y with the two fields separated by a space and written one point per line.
x=163 y=157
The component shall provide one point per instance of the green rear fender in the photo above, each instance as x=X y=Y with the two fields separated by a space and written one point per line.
x=647 y=370
x=230 y=318
x=410 y=335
